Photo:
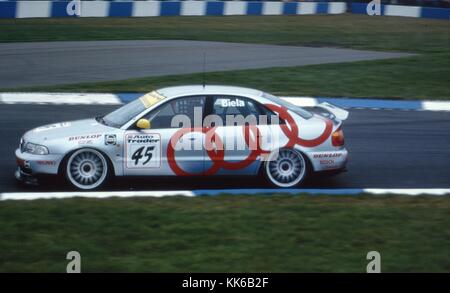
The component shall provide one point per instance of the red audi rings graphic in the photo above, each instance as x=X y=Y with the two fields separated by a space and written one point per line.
x=292 y=132
x=216 y=153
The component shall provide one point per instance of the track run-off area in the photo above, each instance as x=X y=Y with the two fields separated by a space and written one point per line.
x=52 y=63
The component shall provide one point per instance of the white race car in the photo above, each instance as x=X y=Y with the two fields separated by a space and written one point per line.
x=190 y=130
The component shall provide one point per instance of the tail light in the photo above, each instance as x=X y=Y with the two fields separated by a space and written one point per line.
x=337 y=138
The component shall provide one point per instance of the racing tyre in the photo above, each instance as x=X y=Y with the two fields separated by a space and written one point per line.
x=286 y=168
x=87 y=169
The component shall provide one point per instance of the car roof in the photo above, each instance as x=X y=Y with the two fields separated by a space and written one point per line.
x=170 y=92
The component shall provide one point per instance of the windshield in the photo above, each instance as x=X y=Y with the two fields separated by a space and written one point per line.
x=128 y=111
x=298 y=110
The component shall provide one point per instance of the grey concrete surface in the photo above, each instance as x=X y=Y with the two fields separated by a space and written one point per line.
x=52 y=63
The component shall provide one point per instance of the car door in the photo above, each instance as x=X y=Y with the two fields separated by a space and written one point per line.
x=167 y=148
x=243 y=134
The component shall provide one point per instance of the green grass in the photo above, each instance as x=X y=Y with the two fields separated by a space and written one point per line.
x=422 y=77
x=227 y=233
x=356 y=31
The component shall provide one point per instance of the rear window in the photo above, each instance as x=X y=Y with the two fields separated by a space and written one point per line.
x=296 y=109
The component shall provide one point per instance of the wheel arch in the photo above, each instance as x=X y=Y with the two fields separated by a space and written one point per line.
x=66 y=156
x=310 y=166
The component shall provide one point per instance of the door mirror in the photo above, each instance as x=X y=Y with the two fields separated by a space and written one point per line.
x=143 y=124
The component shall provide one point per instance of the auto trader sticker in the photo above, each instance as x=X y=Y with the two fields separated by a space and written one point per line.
x=142 y=150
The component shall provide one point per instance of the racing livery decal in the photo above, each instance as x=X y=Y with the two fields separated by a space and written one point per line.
x=293 y=134
x=142 y=150
x=215 y=148
x=52 y=126
x=84 y=139
x=110 y=139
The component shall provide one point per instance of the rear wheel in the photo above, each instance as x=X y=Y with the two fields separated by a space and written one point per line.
x=87 y=169
x=286 y=168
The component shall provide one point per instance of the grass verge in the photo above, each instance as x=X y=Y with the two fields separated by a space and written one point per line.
x=227 y=233
x=348 y=30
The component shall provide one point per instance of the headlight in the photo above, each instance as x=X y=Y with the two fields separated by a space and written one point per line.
x=36 y=149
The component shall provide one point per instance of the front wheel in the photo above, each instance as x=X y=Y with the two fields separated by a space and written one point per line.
x=286 y=168
x=87 y=169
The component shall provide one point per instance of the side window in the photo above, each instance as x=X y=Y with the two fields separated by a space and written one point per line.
x=229 y=107
x=162 y=116
x=269 y=116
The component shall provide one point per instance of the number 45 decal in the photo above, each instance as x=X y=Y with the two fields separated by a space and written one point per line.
x=142 y=150
x=139 y=154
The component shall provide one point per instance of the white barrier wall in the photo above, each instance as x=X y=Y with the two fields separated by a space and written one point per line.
x=24 y=9
x=28 y=9
x=397 y=10
x=145 y=9
x=235 y=8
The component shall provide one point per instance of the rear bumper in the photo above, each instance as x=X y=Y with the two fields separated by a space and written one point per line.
x=332 y=172
x=333 y=161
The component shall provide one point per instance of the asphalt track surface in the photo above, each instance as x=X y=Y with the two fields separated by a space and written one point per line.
x=388 y=149
x=51 y=63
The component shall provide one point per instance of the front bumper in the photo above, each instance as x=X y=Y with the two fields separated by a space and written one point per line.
x=30 y=166
x=22 y=176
